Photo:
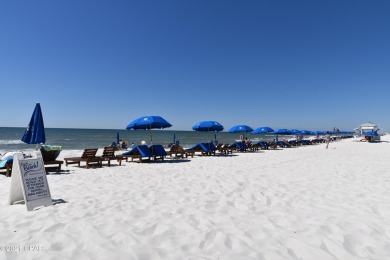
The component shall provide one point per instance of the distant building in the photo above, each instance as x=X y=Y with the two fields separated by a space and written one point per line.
x=369 y=131
x=366 y=127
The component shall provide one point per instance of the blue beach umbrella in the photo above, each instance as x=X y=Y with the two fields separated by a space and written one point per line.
x=263 y=130
x=207 y=126
x=295 y=131
x=241 y=129
x=117 y=137
x=149 y=122
x=306 y=132
x=35 y=132
x=174 y=138
x=281 y=131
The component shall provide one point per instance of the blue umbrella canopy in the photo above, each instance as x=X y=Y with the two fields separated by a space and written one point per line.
x=240 y=129
x=295 y=131
x=149 y=122
x=206 y=126
x=282 y=131
x=263 y=129
x=306 y=132
x=35 y=132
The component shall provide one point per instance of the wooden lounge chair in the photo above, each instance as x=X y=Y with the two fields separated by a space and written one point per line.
x=180 y=149
x=7 y=162
x=228 y=149
x=109 y=155
x=203 y=149
x=224 y=148
x=140 y=152
x=283 y=144
x=89 y=157
x=294 y=143
x=8 y=169
x=158 y=152
x=174 y=150
x=238 y=146
x=306 y=142
x=49 y=160
x=273 y=145
x=219 y=147
x=254 y=147
x=179 y=152
x=264 y=145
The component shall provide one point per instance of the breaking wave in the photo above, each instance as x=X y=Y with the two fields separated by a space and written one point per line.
x=7 y=142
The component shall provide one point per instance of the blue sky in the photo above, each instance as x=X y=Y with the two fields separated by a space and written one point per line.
x=284 y=64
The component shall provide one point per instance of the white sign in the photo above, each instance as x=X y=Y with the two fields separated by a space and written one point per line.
x=29 y=182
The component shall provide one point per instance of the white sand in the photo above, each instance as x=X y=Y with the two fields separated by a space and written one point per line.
x=296 y=203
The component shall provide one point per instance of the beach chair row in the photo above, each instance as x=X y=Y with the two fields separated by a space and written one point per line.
x=143 y=153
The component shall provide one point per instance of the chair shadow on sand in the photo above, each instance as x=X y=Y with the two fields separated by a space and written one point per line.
x=54 y=201
x=58 y=201
x=226 y=155
x=173 y=161
x=61 y=172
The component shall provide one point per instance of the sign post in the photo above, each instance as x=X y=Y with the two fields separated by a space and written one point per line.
x=29 y=182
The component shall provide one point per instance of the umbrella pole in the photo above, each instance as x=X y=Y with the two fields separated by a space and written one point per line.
x=208 y=137
x=151 y=136
x=36 y=147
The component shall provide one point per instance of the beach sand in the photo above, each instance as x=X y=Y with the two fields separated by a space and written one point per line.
x=296 y=203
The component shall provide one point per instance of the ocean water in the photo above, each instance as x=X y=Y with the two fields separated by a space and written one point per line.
x=79 y=139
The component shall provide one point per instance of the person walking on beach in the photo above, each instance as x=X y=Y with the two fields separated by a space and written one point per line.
x=327 y=138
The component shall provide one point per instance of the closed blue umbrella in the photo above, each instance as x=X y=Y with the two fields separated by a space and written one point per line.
x=35 y=132
x=263 y=130
x=117 y=137
x=149 y=122
x=174 y=138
